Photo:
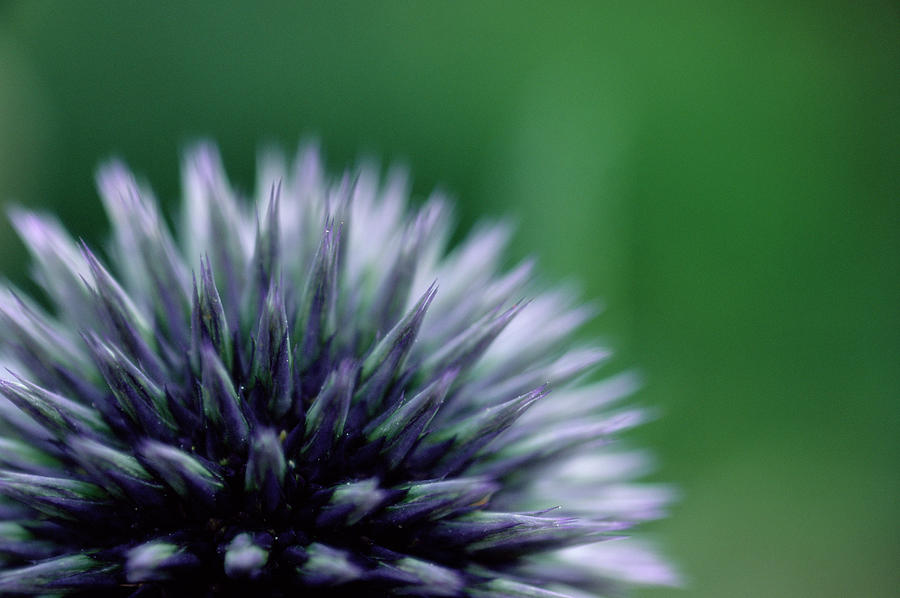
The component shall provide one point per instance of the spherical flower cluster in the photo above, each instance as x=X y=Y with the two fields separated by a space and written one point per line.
x=304 y=394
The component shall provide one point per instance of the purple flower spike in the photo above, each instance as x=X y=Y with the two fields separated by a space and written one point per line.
x=305 y=394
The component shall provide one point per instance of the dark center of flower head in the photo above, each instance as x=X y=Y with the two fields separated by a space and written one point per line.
x=284 y=403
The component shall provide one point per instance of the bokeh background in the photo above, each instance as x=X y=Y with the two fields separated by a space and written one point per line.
x=723 y=176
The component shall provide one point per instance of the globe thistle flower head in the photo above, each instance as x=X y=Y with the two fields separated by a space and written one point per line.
x=304 y=393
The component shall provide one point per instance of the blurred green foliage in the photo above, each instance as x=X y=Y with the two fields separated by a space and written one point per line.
x=724 y=176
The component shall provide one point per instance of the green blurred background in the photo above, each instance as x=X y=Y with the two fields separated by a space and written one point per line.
x=724 y=176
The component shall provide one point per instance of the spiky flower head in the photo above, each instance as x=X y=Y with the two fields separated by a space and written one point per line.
x=303 y=395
